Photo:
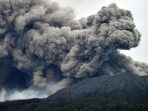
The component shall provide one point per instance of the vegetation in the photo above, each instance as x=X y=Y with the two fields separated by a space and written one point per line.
x=82 y=104
x=95 y=104
x=20 y=105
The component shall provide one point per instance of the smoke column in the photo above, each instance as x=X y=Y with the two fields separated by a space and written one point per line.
x=43 y=47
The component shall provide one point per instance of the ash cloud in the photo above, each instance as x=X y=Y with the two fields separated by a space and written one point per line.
x=50 y=47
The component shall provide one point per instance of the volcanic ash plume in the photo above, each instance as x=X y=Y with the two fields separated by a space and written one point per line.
x=41 y=43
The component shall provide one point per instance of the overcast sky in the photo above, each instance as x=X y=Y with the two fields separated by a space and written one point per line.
x=139 y=9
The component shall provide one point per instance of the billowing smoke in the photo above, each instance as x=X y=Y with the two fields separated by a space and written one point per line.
x=43 y=47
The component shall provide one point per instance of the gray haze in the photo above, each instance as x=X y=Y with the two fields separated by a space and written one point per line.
x=50 y=47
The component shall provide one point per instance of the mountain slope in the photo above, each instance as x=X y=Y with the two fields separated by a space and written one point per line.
x=124 y=85
x=109 y=93
x=125 y=92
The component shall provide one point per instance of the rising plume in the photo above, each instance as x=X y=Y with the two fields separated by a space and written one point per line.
x=47 y=45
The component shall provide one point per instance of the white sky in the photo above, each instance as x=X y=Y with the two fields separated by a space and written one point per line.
x=139 y=9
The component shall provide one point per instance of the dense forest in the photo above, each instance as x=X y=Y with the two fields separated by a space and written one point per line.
x=96 y=104
x=82 y=104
